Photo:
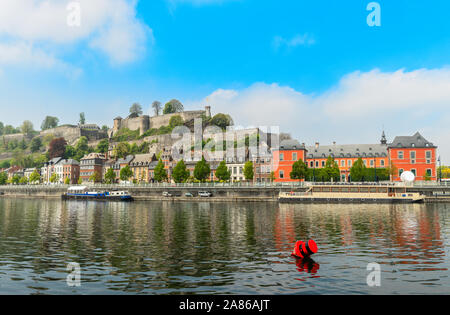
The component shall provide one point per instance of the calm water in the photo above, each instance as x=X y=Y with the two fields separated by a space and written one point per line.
x=221 y=248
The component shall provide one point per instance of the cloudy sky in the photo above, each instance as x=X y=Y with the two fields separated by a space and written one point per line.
x=316 y=69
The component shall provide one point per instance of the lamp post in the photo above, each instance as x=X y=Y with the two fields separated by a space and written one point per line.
x=375 y=163
x=439 y=169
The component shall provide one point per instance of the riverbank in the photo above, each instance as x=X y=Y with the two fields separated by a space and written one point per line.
x=437 y=194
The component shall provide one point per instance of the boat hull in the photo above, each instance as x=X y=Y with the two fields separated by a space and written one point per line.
x=97 y=198
x=347 y=200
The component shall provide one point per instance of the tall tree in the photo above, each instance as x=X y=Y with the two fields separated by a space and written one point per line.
x=36 y=144
x=35 y=177
x=102 y=146
x=180 y=173
x=156 y=105
x=222 y=120
x=202 y=170
x=222 y=172
x=126 y=173
x=27 y=128
x=173 y=106
x=299 y=170
x=110 y=176
x=49 y=123
x=82 y=119
x=248 y=170
x=358 y=170
x=160 y=172
x=57 y=148
x=95 y=177
x=136 y=109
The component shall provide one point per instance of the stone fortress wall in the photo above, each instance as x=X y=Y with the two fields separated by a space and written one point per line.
x=72 y=133
x=145 y=122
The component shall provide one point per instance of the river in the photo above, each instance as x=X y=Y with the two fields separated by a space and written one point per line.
x=221 y=248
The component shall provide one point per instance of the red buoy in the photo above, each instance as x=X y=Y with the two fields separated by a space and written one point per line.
x=304 y=249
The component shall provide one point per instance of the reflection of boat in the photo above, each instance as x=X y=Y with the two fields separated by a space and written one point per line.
x=352 y=194
x=83 y=193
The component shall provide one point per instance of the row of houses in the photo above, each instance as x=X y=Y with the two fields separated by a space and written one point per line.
x=405 y=153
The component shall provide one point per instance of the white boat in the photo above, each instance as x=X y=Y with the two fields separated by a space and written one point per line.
x=352 y=194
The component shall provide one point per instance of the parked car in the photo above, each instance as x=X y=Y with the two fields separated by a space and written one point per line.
x=188 y=194
x=167 y=194
x=205 y=194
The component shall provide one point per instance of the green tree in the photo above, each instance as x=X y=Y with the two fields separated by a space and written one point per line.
x=248 y=170
x=102 y=146
x=222 y=172
x=36 y=144
x=173 y=106
x=95 y=177
x=358 y=171
x=110 y=176
x=82 y=119
x=126 y=173
x=180 y=173
x=15 y=179
x=136 y=109
x=160 y=172
x=3 y=178
x=54 y=178
x=331 y=171
x=35 y=177
x=67 y=181
x=222 y=120
x=175 y=121
x=121 y=150
x=49 y=123
x=202 y=170
x=272 y=176
x=27 y=128
x=299 y=170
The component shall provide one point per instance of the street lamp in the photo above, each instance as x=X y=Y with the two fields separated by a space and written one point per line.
x=440 y=170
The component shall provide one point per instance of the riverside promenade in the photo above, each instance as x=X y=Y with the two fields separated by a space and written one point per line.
x=221 y=192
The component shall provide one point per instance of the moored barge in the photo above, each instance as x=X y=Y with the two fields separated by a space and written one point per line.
x=352 y=194
x=83 y=193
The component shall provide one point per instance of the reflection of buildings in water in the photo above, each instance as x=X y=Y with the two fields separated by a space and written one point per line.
x=284 y=229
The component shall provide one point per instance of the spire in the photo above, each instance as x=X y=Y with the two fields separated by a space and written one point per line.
x=383 y=138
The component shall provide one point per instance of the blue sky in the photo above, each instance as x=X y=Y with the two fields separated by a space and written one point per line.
x=316 y=69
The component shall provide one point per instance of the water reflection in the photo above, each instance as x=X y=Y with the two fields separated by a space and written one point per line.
x=219 y=248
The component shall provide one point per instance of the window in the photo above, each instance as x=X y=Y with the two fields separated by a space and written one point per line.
x=372 y=163
x=342 y=163
x=429 y=172
x=400 y=172
x=349 y=163
x=312 y=164
x=412 y=156
x=382 y=162
x=323 y=163
x=413 y=171
x=317 y=163
x=428 y=154
x=281 y=156
x=281 y=174
x=400 y=155
x=294 y=156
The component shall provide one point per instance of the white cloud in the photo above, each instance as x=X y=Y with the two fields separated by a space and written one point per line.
x=353 y=111
x=23 y=54
x=110 y=26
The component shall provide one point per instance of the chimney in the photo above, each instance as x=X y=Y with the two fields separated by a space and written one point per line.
x=208 y=111
x=317 y=145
